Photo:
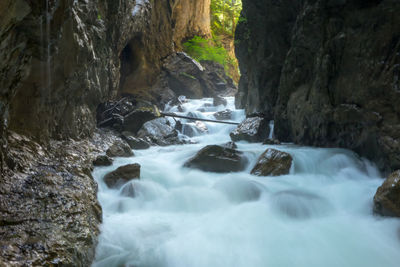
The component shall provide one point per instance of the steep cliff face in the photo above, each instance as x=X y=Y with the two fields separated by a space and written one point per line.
x=326 y=71
x=170 y=24
x=59 y=59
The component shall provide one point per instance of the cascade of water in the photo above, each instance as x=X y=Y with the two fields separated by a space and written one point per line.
x=318 y=215
x=271 y=130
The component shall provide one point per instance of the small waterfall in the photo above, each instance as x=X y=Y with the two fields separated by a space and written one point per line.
x=271 y=129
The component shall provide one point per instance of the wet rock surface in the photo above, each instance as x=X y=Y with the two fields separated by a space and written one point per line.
x=327 y=72
x=119 y=149
x=230 y=145
x=387 y=197
x=253 y=129
x=223 y=115
x=272 y=163
x=49 y=213
x=214 y=158
x=159 y=132
x=137 y=143
x=103 y=160
x=122 y=175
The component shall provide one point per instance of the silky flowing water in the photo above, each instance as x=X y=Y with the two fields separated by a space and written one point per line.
x=318 y=215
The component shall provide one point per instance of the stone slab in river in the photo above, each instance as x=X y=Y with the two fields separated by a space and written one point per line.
x=273 y=163
x=215 y=158
x=122 y=175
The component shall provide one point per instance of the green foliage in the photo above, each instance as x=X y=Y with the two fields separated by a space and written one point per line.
x=202 y=49
x=224 y=16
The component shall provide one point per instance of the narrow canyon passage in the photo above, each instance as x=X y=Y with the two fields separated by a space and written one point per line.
x=318 y=215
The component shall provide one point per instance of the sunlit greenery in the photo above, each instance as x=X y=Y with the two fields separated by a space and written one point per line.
x=202 y=49
x=224 y=16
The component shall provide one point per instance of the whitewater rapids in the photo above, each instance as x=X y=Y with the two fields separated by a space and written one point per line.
x=320 y=215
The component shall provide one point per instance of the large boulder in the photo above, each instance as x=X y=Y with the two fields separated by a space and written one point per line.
x=215 y=158
x=159 y=132
x=184 y=75
x=273 y=163
x=135 y=119
x=119 y=149
x=253 y=129
x=122 y=175
x=387 y=197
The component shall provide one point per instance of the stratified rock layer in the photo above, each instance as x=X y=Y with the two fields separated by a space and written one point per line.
x=327 y=72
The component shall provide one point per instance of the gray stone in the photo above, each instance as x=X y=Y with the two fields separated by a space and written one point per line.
x=253 y=129
x=214 y=158
x=272 y=163
x=122 y=175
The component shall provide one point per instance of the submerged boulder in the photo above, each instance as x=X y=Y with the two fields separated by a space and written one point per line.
x=387 y=197
x=230 y=145
x=159 y=132
x=215 y=158
x=119 y=149
x=122 y=175
x=271 y=141
x=103 y=160
x=300 y=205
x=273 y=163
x=253 y=129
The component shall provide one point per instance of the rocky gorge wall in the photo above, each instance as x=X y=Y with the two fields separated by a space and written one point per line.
x=59 y=59
x=327 y=72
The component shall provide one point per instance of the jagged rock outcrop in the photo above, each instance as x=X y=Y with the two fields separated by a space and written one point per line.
x=49 y=213
x=327 y=72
